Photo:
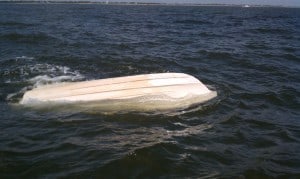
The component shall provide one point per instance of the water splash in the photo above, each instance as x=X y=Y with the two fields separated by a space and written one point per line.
x=26 y=72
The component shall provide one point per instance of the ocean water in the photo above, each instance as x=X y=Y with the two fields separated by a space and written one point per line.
x=251 y=56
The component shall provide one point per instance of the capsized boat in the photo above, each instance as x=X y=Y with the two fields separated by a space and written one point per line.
x=148 y=92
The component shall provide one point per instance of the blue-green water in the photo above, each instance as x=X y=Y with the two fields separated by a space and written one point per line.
x=249 y=55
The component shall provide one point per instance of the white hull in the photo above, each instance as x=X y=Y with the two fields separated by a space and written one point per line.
x=148 y=92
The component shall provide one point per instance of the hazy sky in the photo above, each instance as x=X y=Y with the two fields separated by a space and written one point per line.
x=259 y=2
x=295 y=3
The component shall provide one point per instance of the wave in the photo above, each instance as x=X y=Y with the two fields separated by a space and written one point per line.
x=193 y=22
x=216 y=54
x=28 y=38
x=15 y=24
x=270 y=31
x=24 y=58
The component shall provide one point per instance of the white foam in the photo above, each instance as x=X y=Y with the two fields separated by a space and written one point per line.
x=45 y=79
x=49 y=68
x=24 y=58
x=40 y=74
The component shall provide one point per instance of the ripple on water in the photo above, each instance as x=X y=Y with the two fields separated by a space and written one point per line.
x=250 y=56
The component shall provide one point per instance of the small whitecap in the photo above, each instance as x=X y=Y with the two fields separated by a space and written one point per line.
x=24 y=58
x=180 y=124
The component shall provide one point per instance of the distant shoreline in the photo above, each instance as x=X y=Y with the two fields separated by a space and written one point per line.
x=136 y=3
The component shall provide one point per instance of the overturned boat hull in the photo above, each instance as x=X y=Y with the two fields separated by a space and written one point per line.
x=149 y=92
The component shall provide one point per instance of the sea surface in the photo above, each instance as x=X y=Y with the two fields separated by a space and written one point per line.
x=250 y=56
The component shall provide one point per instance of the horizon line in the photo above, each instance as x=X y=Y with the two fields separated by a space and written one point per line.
x=143 y=3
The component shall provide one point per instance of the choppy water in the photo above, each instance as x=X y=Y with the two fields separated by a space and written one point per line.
x=251 y=56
